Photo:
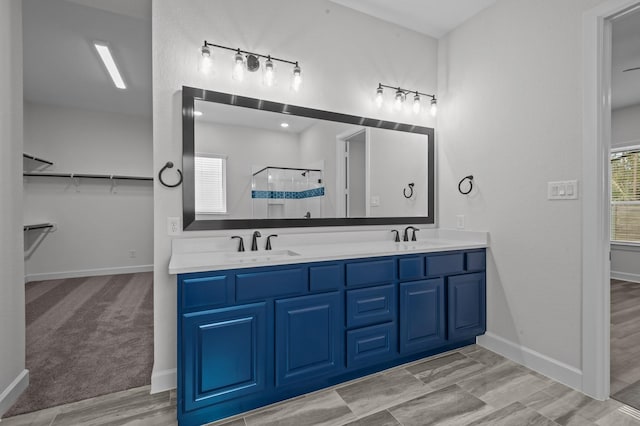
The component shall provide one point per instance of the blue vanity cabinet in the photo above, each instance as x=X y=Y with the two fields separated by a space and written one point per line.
x=422 y=316
x=250 y=337
x=309 y=338
x=466 y=296
x=225 y=358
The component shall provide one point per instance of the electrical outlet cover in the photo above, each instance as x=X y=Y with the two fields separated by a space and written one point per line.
x=173 y=225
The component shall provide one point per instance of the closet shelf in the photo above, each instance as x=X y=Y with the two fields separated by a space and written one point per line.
x=89 y=176
x=38 y=226
x=38 y=159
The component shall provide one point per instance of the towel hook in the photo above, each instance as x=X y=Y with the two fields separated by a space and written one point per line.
x=470 y=179
x=404 y=191
x=169 y=165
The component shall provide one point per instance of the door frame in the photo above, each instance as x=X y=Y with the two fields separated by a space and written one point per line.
x=596 y=145
x=341 y=175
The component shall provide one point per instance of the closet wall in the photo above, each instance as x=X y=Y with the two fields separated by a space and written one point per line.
x=102 y=226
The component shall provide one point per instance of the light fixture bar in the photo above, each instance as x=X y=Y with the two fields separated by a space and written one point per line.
x=110 y=64
x=259 y=55
x=405 y=91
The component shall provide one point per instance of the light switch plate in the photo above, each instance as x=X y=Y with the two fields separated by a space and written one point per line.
x=562 y=190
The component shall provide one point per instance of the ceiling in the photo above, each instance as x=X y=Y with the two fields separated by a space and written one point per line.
x=434 y=18
x=61 y=66
x=625 y=89
x=254 y=118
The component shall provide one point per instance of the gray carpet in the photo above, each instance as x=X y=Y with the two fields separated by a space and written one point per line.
x=86 y=337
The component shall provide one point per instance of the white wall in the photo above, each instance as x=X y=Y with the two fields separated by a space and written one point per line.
x=625 y=129
x=96 y=225
x=344 y=55
x=510 y=114
x=625 y=126
x=13 y=376
x=396 y=161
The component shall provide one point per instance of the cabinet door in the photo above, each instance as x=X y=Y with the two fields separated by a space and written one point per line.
x=467 y=307
x=309 y=337
x=421 y=315
x=224 y=354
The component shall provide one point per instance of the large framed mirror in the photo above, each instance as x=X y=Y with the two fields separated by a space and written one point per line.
x=251 y=163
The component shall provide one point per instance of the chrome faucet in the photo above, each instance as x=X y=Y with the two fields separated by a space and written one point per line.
x=405 y=237
x=254 y=241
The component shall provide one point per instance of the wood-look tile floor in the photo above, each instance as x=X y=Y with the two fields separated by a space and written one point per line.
x=469 y=386
x=625 y=342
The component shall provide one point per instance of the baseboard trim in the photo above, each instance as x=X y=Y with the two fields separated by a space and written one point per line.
x=10 y=395
x=88 y=273
x=536 y=361
x=624 y=276
x=164 y=380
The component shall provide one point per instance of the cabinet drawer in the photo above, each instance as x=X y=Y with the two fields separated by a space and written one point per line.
x=326 y=277
x=410 y=268
x=445 y=264
x=263 y=285
x=206 y=291
x=371 y=345
x=371 y=272
x=371 y=305
x=476 y=261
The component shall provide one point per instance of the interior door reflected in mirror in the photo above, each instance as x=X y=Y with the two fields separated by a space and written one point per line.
x=253 y=163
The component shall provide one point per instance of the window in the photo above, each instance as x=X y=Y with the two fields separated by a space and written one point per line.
x=210 y=183
x=625 y=195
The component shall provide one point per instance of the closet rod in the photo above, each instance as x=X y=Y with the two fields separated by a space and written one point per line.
x=38 y=226
x=33 y=157
x=88 y=176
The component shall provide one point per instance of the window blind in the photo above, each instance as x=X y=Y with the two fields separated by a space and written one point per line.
x=210 y=183
x=625 y=196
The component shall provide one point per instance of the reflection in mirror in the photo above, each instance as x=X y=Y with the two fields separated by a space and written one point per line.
x=252 y=163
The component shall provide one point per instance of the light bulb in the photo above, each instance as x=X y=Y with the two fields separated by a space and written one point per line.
x=297 y=78
x=269 y=73
x=434 y=107
x=379 y=96
x=238 y=66
x=416 y=104
x=399 y=99
x=205 y=59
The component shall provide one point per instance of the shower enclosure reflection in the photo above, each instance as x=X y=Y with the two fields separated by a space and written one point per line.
x=281 y=192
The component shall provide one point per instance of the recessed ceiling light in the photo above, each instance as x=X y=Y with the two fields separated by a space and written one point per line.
x=110 y=64
x=197 y=113
x=284 y=125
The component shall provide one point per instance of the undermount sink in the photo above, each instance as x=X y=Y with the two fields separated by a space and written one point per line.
x=262 y=256
x=415 y=245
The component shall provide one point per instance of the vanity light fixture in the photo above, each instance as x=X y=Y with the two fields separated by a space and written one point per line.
x=249 y=61
x=110 y=64
x=401 y=96
x=379 y=96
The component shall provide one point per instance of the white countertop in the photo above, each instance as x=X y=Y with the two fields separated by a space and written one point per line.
x=219 y=253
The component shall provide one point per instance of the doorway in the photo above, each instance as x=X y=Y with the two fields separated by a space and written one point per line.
x=88 y=199
x=596 y=231
x=353 y=148
x=625 y=209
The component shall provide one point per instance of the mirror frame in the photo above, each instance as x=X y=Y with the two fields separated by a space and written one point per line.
x=191 y=94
